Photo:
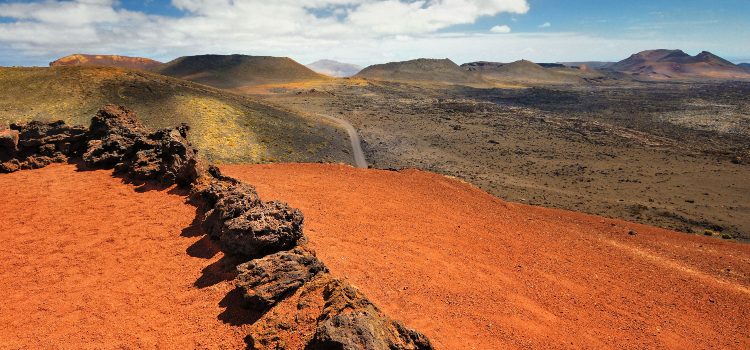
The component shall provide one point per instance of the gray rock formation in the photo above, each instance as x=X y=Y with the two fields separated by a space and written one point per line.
x=269 y=280
x=117 y=139
x=349 y=321
x=36 y=144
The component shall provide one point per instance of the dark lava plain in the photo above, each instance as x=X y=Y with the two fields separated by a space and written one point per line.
x=674 y=155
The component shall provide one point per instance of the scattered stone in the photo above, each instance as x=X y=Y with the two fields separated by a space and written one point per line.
x=632 y=233
x=351 y=322
x=269 y=280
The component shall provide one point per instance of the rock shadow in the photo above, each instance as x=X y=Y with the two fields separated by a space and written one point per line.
x=235 y=311
x=222 y=270
x=204 y=248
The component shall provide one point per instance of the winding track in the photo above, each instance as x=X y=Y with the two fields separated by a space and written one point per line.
x=359 y=156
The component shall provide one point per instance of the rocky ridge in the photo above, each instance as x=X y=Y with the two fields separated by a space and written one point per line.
x=267 y=235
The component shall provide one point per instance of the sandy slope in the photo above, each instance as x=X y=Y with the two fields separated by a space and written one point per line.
x=474 y=272
x=88 y=262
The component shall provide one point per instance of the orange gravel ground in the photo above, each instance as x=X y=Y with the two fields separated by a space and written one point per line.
x=92 y=262
x=89 y=263
x=474 y=272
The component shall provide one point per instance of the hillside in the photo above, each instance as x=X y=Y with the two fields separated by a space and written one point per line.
x=676 y=64
x=236 y=71
x=225 y=126
x=525 y=72
x=745 y=66
x=529 y=73
x=421 y=70
x=138 y=63
x=334 y=68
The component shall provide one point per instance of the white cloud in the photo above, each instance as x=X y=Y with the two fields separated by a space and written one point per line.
x=52 y=27
x=500 y=29
x=359 y=31
x=545 y=25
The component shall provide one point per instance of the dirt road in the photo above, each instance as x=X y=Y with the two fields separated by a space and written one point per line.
x=359 y=156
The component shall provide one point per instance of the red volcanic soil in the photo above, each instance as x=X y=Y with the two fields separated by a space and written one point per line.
x=89 y=262
x=475 y=272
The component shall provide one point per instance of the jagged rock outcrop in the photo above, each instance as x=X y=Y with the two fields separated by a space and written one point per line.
x=111 y=137
x=269 y=280
x=37 y=144
x=235 y=215
x=264 y=229
x=349 y=321
x=223 y=200
x=117 y=139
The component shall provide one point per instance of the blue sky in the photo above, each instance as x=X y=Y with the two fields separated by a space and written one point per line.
x=34 y=32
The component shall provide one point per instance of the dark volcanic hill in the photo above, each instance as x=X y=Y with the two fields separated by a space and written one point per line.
x=422 y=70
x=676 y=64
x=106 y=61
x=745 y=66
x=334 y=68
x=225 y=126
x=527 y=72
x=235 y=71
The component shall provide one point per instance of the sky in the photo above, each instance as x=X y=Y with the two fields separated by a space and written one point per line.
x=364 y=32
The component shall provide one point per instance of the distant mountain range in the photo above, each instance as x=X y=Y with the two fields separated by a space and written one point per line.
x=238 y=71
x=106 y=61
x=334 y=68
x=676 y=64
x=421 y=70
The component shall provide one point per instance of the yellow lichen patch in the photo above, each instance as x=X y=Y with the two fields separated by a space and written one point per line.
x=221 y=131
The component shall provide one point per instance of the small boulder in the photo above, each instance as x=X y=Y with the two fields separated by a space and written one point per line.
x=269 y=280
x=349 y=321
x=223 y=200
x=264 y=229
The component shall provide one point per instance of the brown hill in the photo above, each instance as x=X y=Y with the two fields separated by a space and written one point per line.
x=526 y=72
x=421 y=70
x=139 y=63
x=236 y=71
x=676 y=64
x=226 y=127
